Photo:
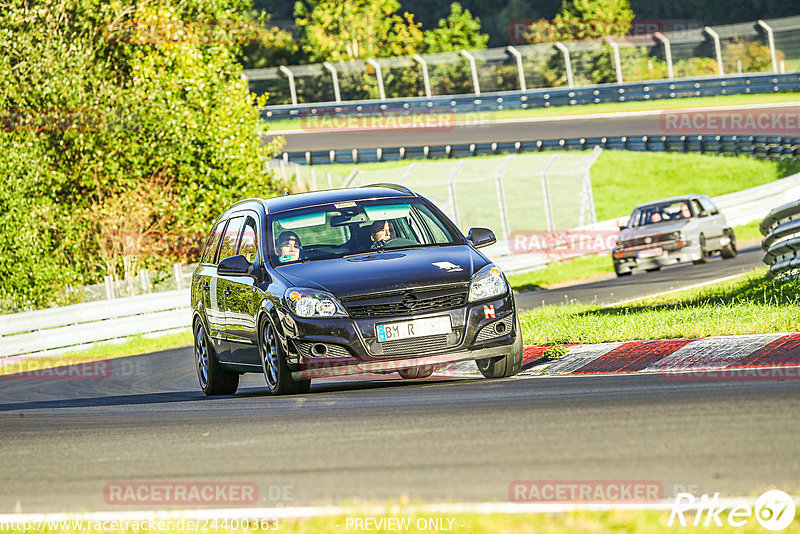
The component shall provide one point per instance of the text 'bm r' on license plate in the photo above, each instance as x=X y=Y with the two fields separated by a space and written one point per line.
x=429 y=326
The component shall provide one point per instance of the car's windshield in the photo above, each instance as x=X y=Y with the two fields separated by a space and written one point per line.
x=658 y=213
x=357 y=227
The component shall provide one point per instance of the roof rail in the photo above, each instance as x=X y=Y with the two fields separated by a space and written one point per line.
x=246 y=200
x=396 y=187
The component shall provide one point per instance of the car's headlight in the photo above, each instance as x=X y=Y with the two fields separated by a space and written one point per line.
x=313 y=303
x=488 y=282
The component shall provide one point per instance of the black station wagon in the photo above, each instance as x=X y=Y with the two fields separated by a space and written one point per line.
x=363 y=280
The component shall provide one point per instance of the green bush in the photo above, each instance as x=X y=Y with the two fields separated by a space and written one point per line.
x=127 y=127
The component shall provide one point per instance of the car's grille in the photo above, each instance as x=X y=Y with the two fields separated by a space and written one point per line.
x=658 y=240
x=415 y=345
x=397 y=307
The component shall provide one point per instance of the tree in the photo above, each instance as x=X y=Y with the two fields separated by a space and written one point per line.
x=584 y=19
x=342 y=30
x=458 y=31
x=104 y=102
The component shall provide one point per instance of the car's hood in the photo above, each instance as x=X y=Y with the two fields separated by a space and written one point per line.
x=652 y=229
x=386 y=271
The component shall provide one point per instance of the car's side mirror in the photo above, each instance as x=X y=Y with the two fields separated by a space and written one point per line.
x=481 y=237
x=621 y=227
x=235 y=266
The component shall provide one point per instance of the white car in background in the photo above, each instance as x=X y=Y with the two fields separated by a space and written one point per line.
x=674 y=230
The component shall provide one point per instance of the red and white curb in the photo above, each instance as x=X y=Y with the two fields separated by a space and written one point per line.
x=745 y=352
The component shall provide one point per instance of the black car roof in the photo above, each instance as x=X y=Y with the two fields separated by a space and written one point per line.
x=316 y=198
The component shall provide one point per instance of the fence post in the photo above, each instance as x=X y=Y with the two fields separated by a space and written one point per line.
x=425 y=78
x=109 y=281
x=548 y=208
x=771 y=41
x=617 y=62
x=289 y=74
x=567 y=63
x=474 y=69
x=379 y=75
x=335 y=76
x=501 y=197
x=667 y=52
x=178 y=275
x=313 y=179
x=451 y=190
x=520 y=70
x=330 y=180
x=717 y=48
x=587 y=204
x=145 y=279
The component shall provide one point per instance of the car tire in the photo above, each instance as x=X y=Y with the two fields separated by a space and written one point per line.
x=703 y=251
x=214 y=379
x=653 y=269
x=422 y=371
x=503 y=366
x=273 y=363
x=729 y=251
x=626 y=273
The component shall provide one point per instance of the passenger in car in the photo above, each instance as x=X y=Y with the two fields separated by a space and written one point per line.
x=288 y=246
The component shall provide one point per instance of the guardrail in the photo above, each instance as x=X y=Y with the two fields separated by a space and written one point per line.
x=44 y=331
x=551 y=96
x=781 y=244
x=758 y=146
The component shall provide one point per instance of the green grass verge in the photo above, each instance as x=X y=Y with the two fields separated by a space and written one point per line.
x=130 y=347
x=746 y=305
x=621 y=180
x=596 y=265
x=559 y=272
x=611 y=107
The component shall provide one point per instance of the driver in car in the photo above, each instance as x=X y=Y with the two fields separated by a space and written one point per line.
x=379 y=232
x=288 y=246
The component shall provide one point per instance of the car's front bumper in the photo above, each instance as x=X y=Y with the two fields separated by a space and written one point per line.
x=351 y=345
x=631 y=261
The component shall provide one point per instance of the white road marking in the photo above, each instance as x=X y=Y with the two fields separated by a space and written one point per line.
x=684 y=288
x=713 y=352
x=577 y=357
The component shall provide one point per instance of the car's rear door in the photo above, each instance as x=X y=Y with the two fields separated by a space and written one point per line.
x=241 y=301
x=222 y=288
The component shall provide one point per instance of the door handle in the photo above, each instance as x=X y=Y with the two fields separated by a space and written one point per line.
x=228 y=292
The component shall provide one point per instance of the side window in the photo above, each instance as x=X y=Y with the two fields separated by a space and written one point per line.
x=433 y=225
x=247 y=244
x=228 y=246
x=213 y=241
x=697 y=207
x=708 y=206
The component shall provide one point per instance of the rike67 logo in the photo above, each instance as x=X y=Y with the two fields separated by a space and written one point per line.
x=774 y=510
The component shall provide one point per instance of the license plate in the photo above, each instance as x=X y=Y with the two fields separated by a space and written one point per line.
x=649 y=253
x=430 y=326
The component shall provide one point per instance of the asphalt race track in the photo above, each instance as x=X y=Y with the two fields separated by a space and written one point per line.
x=455 y=439
x=489 y=130
x=642 y=284
x=440 y=439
